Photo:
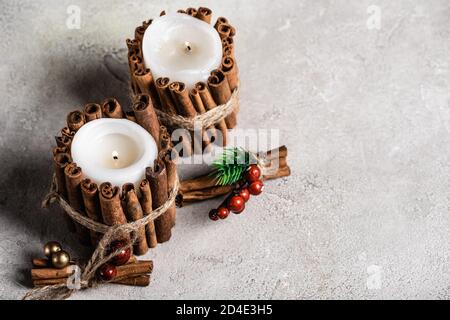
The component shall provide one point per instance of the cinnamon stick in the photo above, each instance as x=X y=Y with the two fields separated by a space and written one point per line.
x=221 y=92
x=112 y=211
x=74 y=176
x=112 y=109
x=144 y=82
x=280 y=173
x=134 y=212
x=183 y=103
x=230 y=70
x=165 y=97
x=157 y=176
x=67 y=132
x=146 y=204
x=75 y=120
x=50 y=273
x=57 y=150
x=138 y=281
x=139 y=31
x=92 y=111
x=134 y=269
x=133 y=47
x=204 y=14
x=146 y=116
x=220 y=20
x=40 y=263
x=187 y=197
x=91 y=200
x=228 y=46
x=198 y=183
x=63 y=141
x=171 y=169
x=225 y=30
x=209 y=104
x=191 y=11
x=200 y=108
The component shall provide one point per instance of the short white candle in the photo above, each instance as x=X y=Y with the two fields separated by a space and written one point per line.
x=113 y=150
x=182 y=48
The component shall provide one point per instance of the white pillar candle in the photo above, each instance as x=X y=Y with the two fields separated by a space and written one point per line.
x=113 y=150
x=182 y=48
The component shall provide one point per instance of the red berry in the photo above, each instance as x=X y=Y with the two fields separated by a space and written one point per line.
x=256 y=187
x=253 y=173
x=236 y=204
x=223 y=212
x=124 y=254
x=107 y=272
x=245 y=194
x=213 y=215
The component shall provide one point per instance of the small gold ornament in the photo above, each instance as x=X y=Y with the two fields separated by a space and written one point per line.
x=60 y=259
x=51 y=247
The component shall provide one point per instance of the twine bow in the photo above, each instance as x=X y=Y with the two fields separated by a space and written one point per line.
x=99 y=257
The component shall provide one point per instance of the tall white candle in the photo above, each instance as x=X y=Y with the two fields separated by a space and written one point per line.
x=182 y=48
x=113 y=150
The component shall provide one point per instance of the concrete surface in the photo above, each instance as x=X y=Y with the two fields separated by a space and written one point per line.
x=365 y=112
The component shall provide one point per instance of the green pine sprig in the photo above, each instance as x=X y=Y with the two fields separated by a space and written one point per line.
x=230 y=166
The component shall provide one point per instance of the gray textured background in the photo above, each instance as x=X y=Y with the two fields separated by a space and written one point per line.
x=365 y=114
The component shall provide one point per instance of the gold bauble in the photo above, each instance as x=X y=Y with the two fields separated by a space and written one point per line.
x=60 y=259
x=51 y=247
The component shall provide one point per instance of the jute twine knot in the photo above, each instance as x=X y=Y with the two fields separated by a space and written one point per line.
x=100 y=256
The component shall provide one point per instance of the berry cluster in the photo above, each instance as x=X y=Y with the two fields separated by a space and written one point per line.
x=235 y=202
x=108 y=271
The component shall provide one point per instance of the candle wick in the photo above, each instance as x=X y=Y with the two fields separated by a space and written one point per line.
x=188 y=46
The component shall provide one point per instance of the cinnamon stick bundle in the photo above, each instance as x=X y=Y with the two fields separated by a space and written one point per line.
x=112 y=211
x=204 y=14
x=75 y=120
x=74 y=176
x=146 y=204
x=146 y=116
x=92 y=111
x=134 y=212
x=221 y=92
x=91 y=200
x=165 y=97
x=209 y=104
x=112 y=109
x=157 y=176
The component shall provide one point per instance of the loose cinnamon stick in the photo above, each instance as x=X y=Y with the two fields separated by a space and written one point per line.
x=74 y=176
x=91 y=200
x=134 y=269
x=230 y=70
x=221 y=92
x=50 y=273
x=171 y=169
x=146 y=204
x=280 y=173
x=280 y=152
x=198 y=183
x=75 y=120
x=92 y=111
x=112 y=211
x=138 y=281
x=40 y=263
x=184 y=198
x=63 y=141
x=146 y=117
x=134 y=212
x=209 y=104
x=204 y=14
x=165 y=97
x=157 y=176
x=112 y=109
